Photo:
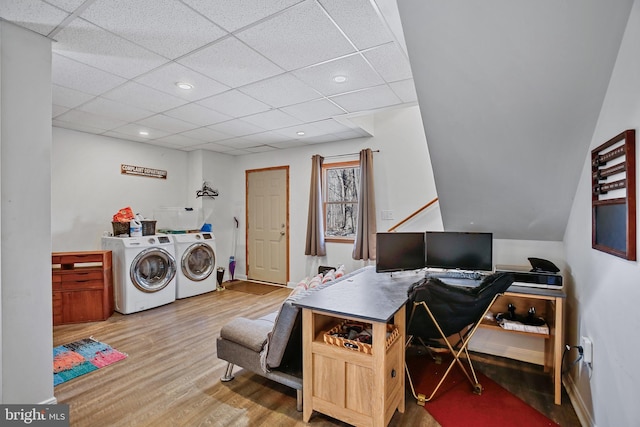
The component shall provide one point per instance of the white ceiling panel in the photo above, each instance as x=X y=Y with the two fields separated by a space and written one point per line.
x=32 y=14
x=133 y=130
x=359 y=20
x=75 y=75
x=56 y=110
x=237 y=127
x=205 y=134
x=390 y=62
x=260 y=148
x=85 y=118
x=235 y=63
x=94 y=46
x=197 y=114
x=233 y=15
x=267 y=137
x=281 y=90
x=165 y=79
x=142 y=96
x=77 y=125
x=179 y=140
x=69 y=98
x=234 y=103
x=313 y=110
x=358 y=75
x=166 y=123
x=151 y=23
x=300 y=36
x=215 y=147
x=405 y=89
x=114 y=109
x=273 y=119
x=68 y=5
x=367 y=99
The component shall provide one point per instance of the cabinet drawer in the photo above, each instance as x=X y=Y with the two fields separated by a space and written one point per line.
x=82 y=284
x=81 y=276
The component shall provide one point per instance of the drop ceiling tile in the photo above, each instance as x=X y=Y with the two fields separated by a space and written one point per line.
x=313 y=110
x=232 y=15
x=309 y=130
x=142 y=96
x=166 y=123
x=90 y=120
x=260 y=148
x=56 y=110
x=179 y=140
x=212 y=146
x=330 y=126
x=320 y=139
x=32 y=14
x=206 y=135
x=390 y=62
x=239 y=143
x=360 y=22
x=237 y=127
x=281 y=90
x=293 y=143
x=128 y=137
x=197 y=114
x=114 y=109
x=235 y=63
x=165 y=78
x=133 y=129
x=75 y=75
x=91 y=45
x=300 y=36
x=351 y=134
x=69 y=98
x=266 y=137
x=168 y=28
x=68 y=5
x=367 y=99
x=79 y=126
x=405 y=89
x=234 y=103
x=358 y=73
x=273 y=119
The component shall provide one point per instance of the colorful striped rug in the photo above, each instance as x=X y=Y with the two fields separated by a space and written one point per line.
x=81 y=357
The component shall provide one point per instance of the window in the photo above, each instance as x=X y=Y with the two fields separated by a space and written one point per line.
x=341 y=183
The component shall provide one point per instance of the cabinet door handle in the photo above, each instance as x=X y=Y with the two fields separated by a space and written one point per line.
x=393 y=373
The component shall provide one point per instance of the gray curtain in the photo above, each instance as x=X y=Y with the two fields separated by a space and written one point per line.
x=315 y=225
x=364 y=246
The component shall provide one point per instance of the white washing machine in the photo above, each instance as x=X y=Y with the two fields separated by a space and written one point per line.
x=196 y=257
x=144 y=271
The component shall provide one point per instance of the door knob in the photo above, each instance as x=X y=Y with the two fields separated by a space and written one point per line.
x=282 y=233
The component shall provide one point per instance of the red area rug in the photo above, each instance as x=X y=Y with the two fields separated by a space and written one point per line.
x=456 y=405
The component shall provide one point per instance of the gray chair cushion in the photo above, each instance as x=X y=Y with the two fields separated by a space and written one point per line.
x=249 y=333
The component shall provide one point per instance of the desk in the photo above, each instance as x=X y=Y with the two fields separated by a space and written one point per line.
x=549 y=304
x=357 y=388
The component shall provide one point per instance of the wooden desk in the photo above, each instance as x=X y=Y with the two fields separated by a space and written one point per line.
x=355 y=387
x=549 y=304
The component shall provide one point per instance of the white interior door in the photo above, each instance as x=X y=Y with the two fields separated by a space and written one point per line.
x=268 y=225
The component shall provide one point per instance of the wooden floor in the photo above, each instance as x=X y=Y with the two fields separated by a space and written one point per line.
x=172 y=374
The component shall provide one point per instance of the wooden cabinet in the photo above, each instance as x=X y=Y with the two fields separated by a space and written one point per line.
x=82 y=284
x=359 y=388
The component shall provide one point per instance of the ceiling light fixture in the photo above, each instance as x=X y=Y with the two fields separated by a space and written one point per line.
x=300 y=133
x=340 y=79
x=143 y=133
x=184 y=85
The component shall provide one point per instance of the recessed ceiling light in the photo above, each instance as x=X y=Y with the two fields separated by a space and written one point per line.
x=300 y=133
x=143 y=133
x=340 y=79
x=184 y=85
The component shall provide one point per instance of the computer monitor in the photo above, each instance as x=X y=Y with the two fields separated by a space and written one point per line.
x=399 y=251
x=459 y=250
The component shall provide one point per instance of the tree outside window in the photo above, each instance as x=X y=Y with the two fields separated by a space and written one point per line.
x=341 y=183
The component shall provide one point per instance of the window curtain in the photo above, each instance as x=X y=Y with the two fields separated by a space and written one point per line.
x=364 y=246
x=315 y=225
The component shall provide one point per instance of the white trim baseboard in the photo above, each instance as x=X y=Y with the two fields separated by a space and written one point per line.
x=584 y=415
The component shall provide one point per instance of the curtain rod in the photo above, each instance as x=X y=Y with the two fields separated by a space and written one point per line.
x=348 y=154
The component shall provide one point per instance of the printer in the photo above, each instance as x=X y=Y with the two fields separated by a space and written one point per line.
x=542 y=274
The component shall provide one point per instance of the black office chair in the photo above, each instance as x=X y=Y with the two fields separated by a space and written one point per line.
x=437 y=311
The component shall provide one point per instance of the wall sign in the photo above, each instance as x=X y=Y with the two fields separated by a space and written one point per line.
x=142 y=171
x=613 y=196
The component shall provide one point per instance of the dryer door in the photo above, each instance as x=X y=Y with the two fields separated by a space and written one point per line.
x=152 y=269
x=198 y=262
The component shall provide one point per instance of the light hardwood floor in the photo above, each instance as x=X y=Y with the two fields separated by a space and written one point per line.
x=172 y=375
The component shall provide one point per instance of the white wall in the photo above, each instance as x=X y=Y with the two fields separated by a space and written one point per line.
x=25 y=176
x=604 y=289
x=403 y=184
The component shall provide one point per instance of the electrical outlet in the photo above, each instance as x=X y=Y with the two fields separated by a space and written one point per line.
x=587 y=350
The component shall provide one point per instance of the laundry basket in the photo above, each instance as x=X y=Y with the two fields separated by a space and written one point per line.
x=120 y=228
x=148 y=227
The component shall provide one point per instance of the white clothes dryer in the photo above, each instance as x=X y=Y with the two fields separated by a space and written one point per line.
x=196 y=256
x=144 y=271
